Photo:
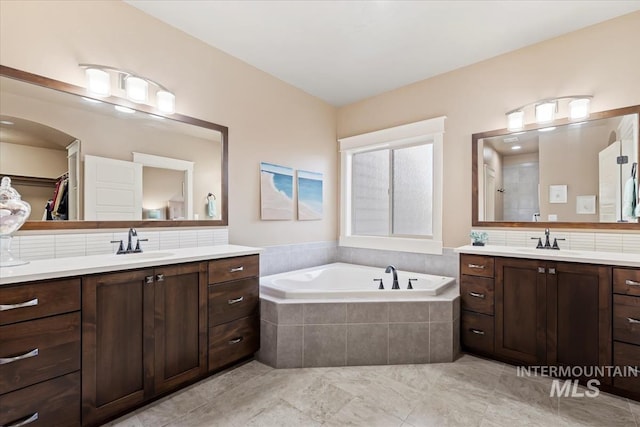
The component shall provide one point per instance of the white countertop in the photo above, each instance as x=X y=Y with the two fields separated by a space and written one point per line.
x=569 y=255
x=66 y=267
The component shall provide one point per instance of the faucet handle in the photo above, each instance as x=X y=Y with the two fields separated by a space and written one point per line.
x=409 y=285
x=138 y=248
x=539 y=245
x=120 y=247
x=381 y=285
x=555 y=243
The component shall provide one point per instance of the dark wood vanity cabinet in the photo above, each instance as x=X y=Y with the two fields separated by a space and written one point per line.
x=626 y=326
x=143 y=334
x=40 y=353
x=234 y=301
x=537 y=312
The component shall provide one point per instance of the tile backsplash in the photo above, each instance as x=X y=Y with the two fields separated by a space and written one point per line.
x=32 y=247
x=581 y=241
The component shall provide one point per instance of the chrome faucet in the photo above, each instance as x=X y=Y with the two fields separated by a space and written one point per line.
x=392 y=269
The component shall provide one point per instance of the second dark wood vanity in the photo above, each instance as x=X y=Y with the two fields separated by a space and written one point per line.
x=83 y=350
x=552 y=313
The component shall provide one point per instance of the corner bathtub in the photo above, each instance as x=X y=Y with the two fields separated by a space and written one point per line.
x=334 y=315
x=341 y=281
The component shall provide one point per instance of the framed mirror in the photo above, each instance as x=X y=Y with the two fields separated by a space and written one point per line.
x=564 y=174
x=117 y=163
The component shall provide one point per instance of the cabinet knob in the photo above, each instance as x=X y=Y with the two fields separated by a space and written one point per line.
x=148 y=280
x=160 y=277
x=31 y=303
x=25 y=421
x=7 y=360
x=552 y=271
x=541 y=270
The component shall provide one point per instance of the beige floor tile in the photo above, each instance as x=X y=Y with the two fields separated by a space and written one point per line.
x=361 y=413
x=210 y=388
x=533 y=392
x=439 y=411
x=282 y=414
x=320 y=399
x=166 y=410
x=420 y=377
x=595 y=412
x=127 y=421
x=504 y=411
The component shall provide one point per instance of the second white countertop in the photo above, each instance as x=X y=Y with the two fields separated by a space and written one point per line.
x=67 y=267
x=588 y=257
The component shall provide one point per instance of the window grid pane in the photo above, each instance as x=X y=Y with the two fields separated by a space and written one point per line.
x=370 y=193
x=413 y=190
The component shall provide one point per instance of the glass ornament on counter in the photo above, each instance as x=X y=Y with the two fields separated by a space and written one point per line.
x=13 y=213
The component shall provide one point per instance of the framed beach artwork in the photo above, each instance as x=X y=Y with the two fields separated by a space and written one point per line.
x=309 y=195
x=276 y=192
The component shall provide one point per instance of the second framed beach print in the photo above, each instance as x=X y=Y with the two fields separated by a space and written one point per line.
x=276 y=192
x=309 y=195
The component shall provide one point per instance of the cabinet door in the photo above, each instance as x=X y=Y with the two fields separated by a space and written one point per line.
x=579 y=315
x=117 y=342
x=180 y=324
x=520 y=310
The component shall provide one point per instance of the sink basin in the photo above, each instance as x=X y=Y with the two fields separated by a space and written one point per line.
x=546 y=251
x=145 y=255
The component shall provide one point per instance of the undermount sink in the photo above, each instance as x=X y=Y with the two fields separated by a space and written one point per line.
x=546 y=251
x=145 y=255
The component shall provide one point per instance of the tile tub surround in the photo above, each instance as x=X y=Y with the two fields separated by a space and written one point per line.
x=301 y=335
x=468 y=392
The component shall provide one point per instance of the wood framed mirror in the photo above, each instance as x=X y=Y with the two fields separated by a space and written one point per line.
x=182 y=180
x=563 y=174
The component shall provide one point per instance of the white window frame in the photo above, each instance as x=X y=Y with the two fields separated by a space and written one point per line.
x=431 y=130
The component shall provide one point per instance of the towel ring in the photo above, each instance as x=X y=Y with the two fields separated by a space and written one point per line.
x=211 y=195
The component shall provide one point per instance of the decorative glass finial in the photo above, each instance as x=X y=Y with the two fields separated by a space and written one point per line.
x=13 y=213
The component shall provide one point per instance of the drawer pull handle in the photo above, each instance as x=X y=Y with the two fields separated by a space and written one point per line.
x=29 y=420
x=235 y=270
x=5 y=307
x=236 y=340
x=160 y=277
x=481 y=267
x=477 y=331
x=6 y=360
x=235 y=300
x=632 y=320
x=631 y=282
x=476 y=295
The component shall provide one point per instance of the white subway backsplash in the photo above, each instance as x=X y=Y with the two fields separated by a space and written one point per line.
x=580 y=241
x=64 y=245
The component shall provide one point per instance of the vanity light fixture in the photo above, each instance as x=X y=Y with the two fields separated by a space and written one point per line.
x=546 y=110
x=135 y=87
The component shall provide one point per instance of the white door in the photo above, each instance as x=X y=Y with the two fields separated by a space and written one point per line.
x=609 y=183
x=112 y=189
x=489 y=194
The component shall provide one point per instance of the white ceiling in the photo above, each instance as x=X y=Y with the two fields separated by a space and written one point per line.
x=345 y=51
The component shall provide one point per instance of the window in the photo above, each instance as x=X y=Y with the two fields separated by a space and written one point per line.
x=392 y=188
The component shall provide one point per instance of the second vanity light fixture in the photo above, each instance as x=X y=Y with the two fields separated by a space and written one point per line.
x=136 y=87
x=546 y=110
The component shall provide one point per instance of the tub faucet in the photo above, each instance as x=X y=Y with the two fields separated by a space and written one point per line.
x=392 y=269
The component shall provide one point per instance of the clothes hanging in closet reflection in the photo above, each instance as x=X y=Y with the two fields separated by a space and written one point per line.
x=58 y=207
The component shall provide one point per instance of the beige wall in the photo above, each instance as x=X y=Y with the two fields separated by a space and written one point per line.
x=268 y=120
x=599 y=60
x=26 y=160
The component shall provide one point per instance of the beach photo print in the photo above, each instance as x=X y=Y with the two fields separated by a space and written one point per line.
x=276 y=192
x=309 y=195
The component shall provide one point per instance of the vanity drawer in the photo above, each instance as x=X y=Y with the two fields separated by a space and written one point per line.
x=476 y=294
x=477 y=332
x=50 y=347
x=56 y=403
x=476 y=265
x=35 y=300
x=626 y=319
x=233 y=300
x=626 y=281
x=232 y=341
x=224 y=270
x=626 y=355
